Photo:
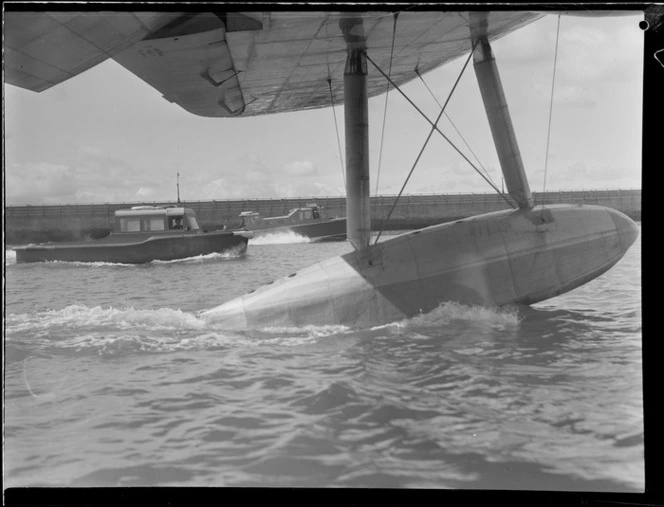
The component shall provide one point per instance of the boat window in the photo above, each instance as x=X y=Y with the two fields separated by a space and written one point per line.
x=130 y=225
x=175 y=223
x=153 y=224
x=192 y=224
x=306 y=215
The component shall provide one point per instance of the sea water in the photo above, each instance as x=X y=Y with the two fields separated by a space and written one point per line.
x=113 y=379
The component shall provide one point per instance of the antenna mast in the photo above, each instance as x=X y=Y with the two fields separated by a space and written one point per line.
x=178 y=185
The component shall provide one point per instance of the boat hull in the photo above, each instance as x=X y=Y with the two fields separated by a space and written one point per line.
x=326 y=230
x=120 y=249
x=506 y=257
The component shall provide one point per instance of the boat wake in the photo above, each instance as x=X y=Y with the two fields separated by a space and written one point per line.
x=279 y=238
x=10 y=257
x=230 y=254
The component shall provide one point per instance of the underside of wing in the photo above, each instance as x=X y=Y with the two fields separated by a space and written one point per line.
x=291 y=65
x=42 y=49
x=241 y=64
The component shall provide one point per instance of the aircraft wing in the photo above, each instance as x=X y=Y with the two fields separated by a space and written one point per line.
x=225 y=64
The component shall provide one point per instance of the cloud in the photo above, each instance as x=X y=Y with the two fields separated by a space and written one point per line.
x=577 y=96
x=145 y=192
x=255 y=176
x=600 y=53
x=591 y=175
x=589 y=51
x=89 y=150
x=90 y=177
x=300 y=168
x=252 y=159
x=39 y=183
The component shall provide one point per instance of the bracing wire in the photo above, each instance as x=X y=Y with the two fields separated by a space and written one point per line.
x=336 y=127
x=435 y=127
x=387 y=93
x=548 y=134
x=452 y=123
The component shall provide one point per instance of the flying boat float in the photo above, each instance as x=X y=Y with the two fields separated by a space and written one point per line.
x=239 y=64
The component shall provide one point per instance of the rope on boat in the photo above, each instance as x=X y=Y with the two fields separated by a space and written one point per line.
x=387 y=93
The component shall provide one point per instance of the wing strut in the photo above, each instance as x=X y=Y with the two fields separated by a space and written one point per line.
x=356 y=114
x=500 y=121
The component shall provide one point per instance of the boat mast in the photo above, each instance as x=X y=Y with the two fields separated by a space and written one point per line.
x=356 y=114
x=178 y=185
x=500 y=121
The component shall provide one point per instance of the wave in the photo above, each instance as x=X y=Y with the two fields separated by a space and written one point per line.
x=112 y=331
x=108 y=330
x=279 y=238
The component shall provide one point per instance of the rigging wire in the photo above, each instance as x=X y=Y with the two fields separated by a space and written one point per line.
x=548 y=134
x=452 y=123
x=387 y=93
x=435 y=127
x=336 y=127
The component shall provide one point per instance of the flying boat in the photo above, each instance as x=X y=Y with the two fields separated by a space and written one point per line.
x=231 y=64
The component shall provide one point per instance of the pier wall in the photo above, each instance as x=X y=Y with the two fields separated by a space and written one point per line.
x=36 y=224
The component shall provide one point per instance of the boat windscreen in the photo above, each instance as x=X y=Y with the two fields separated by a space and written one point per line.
x=192 y=223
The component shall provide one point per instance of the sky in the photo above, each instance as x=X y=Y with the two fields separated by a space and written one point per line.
x=107 y=136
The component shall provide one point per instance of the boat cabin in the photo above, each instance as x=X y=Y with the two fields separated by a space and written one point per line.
x=156 y=219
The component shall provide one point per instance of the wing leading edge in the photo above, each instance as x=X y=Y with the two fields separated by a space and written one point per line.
x=238 y=64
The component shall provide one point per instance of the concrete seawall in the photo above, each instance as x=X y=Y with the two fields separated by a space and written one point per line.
x=36 y=224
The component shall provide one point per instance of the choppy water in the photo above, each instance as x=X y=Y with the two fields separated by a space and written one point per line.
x=112 y=379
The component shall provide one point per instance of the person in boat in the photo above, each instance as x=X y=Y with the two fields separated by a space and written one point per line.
x=177 y=223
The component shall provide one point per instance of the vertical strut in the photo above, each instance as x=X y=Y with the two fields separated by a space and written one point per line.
x=500 y=121
x=356 y=114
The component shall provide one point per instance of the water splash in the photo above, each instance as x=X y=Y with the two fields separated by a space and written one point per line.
x=232 y=253
x=113 y=331
x=487 y=317
x=124 y=331
x=280 y=238
x=10 y=257
x=455 y=313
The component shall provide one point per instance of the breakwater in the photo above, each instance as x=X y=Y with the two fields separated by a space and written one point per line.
x=36 y=224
